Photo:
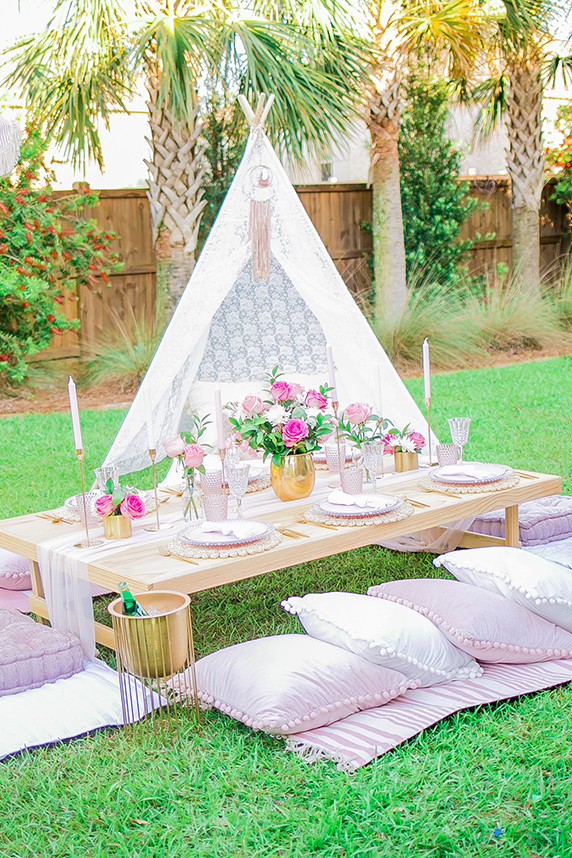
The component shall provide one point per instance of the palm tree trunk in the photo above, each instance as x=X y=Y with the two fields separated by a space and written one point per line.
x=525 y=162
x=387 y=225
x=175 y=196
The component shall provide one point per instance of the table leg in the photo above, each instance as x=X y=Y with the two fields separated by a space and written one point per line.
x=38 y=602
x=511 y=532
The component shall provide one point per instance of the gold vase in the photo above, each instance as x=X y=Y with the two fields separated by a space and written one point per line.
x=406 y=462
x=293 y=478
x=116 y=527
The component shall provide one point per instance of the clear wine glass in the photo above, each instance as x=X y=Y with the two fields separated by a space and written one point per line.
x=459 y=428
x=372 y=453
x=237 y=478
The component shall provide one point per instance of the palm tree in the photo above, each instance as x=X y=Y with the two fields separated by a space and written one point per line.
x=447 y=33
x=92 y=57
x=521 y=59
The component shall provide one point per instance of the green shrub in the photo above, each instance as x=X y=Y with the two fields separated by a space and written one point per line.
x=47 y=249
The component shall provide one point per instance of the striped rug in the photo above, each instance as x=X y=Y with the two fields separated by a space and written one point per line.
x=360 y=738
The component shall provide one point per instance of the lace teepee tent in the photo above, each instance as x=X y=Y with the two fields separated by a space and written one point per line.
x=233 y=324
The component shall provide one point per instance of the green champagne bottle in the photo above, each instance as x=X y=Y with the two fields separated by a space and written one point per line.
x=129 y=603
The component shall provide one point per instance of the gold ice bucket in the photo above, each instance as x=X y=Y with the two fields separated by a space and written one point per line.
x=294 y=478
x=157 y=646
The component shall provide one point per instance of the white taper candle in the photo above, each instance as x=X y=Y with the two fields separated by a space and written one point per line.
x=379 y=394
x=426 y=370
x=149 y=420
x=74 y=414
x=331 y=374
x=218 y=416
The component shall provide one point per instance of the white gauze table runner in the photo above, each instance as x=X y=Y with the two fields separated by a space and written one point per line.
x=65 y=578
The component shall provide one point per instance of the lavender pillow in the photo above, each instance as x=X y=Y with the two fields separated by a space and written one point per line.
x=14 y=571
x=288 y=683
x=32 y=654
x=539 y=521
x=479 y=622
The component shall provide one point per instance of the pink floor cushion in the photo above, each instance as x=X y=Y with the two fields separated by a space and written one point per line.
x=540 y=521
x=482 y=624
x=287 y=683
x=32 y=654
x=14 y=571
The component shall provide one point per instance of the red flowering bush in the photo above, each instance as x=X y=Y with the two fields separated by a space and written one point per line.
x=47 y=249
x=560 y=158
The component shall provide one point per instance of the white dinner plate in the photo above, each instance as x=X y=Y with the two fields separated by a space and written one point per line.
x=194 y=534
x=391 y=503
x=483 y=473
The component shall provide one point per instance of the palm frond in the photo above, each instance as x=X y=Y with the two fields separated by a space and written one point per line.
x=492 y=95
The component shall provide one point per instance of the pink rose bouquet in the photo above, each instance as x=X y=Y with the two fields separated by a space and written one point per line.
x=403 y=441
x=290 y=421
x=190 y=455
x=361 y=425
x=120 y=502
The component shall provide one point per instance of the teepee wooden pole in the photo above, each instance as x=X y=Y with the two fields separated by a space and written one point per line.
x=247 y=109
x=262 y=108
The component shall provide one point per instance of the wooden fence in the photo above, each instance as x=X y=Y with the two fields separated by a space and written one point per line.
x=340 y=212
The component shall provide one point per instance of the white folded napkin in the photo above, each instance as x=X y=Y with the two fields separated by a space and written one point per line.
x=338 y=497
x=240 y=529
x=469 y=470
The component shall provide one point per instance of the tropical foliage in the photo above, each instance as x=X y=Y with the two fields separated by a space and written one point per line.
x=434 y=203
x=560 y=157
x=47 y=250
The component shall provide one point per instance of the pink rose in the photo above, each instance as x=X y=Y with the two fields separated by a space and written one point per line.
x=174 y=446
x=357 y=412
x=389 y=446
x=296 y=389
x=251 y=404
x=315 y=399
x=294 y=431
x=104 y=505
x=132 y=507
x=281 y=391
x=193 y=456
x=418 y=440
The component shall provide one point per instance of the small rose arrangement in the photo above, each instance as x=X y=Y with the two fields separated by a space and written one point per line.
x=287 y=421
x=361 y=425
x=190 y=454
x=403 y=441
x=119 y=501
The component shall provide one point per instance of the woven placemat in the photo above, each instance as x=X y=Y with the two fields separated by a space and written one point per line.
x=431 y=485
x=313 y=514
x=201 y=552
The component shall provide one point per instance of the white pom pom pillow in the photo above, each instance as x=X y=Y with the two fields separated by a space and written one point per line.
x=14 y=571
x=481 y=623
x=289 y=683
x=543 y=587
x=385 y=633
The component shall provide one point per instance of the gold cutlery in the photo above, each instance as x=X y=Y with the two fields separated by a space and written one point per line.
x=447 y=494
x=527 y=476
x=53 y=518
x=287 y=531
x=317 y=523
x=415 y=502
x=166 y=553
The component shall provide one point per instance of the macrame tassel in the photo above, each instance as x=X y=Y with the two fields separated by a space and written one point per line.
x=10 y=141
x=260 y=228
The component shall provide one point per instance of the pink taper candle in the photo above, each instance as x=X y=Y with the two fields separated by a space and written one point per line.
x=331 y=374
x=74 y=414
x=218 y=416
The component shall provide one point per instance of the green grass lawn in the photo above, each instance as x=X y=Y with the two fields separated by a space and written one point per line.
x=226 y=791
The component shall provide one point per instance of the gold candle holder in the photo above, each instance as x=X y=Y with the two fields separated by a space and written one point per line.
x=87 y=542
x=158 y=526
x=335 y=406
x=222 y=452
x=428 y=407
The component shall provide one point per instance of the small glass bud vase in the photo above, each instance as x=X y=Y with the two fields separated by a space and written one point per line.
x=190 y=500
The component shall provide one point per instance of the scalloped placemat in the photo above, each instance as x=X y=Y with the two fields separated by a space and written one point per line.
x=314 y=515
x=200 y=552
x=430 y=485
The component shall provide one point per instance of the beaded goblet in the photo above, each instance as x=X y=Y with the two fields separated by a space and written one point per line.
x=237 y=478
x=335 y=456
x=459 y=428
x=372 y=453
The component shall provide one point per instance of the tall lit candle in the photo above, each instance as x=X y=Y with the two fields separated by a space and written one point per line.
x=331 y=374
x=218 y=417
x=149 y=420
x=426 y=370
x=74 y=414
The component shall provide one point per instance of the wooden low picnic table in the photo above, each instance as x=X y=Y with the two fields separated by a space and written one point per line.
x=144 y=568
